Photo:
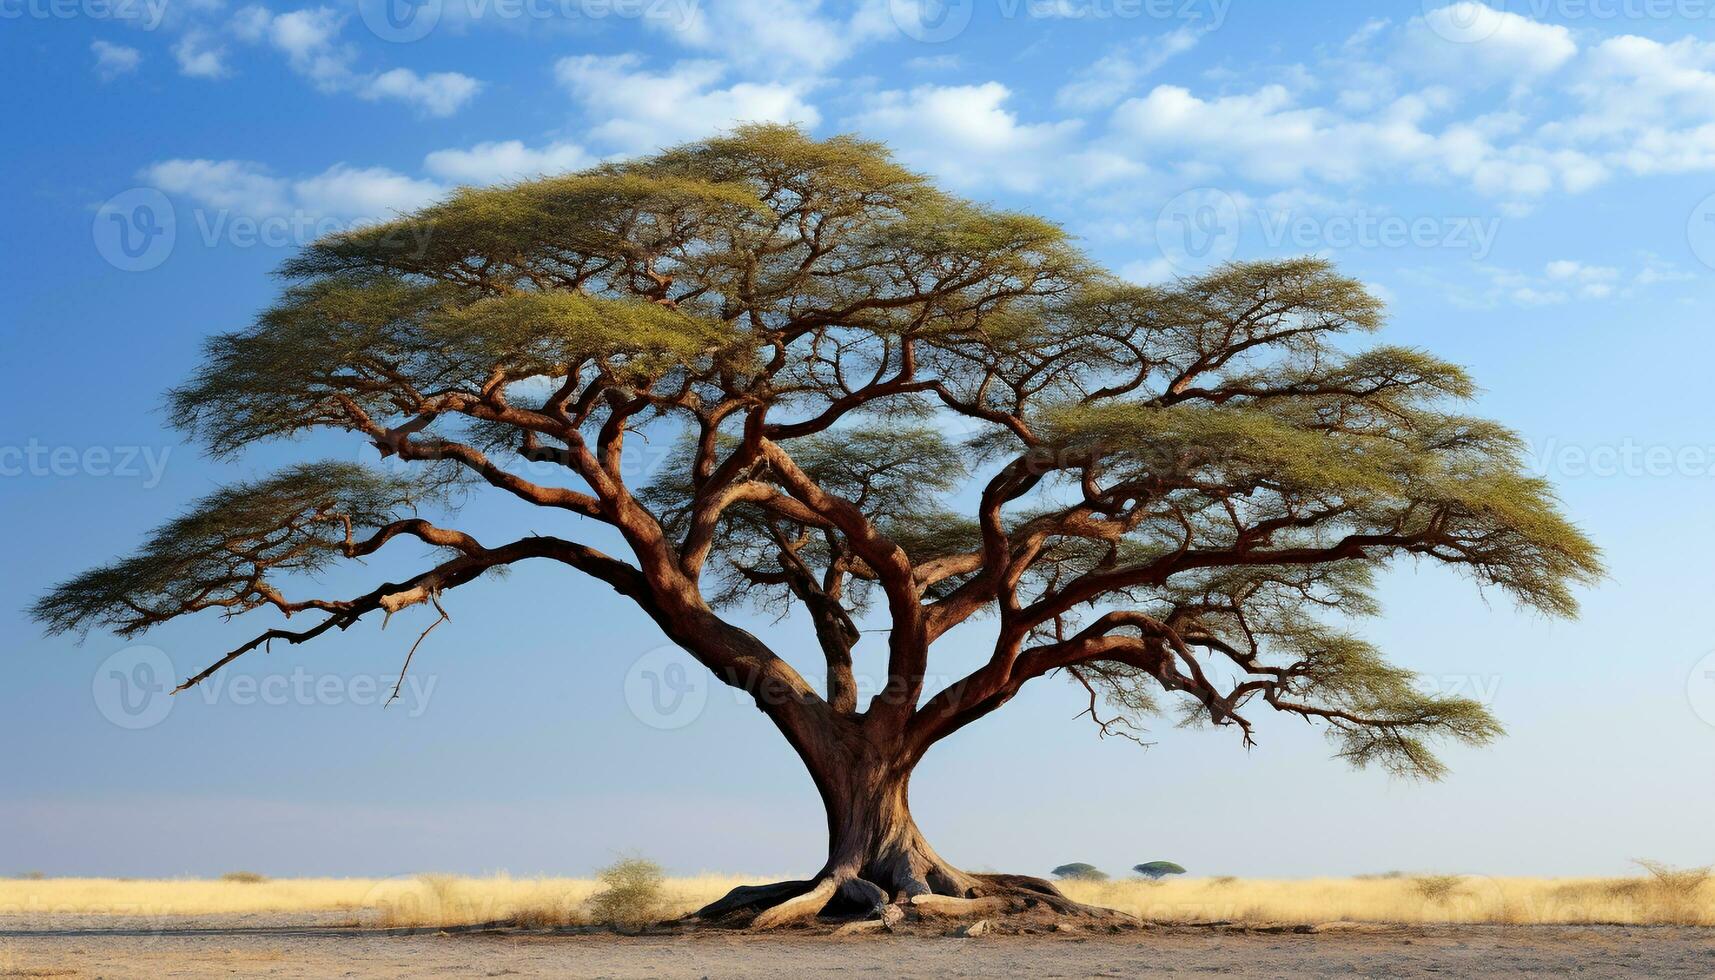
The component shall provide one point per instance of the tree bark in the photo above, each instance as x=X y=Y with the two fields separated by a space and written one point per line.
x=872 y=836
x=877 y=856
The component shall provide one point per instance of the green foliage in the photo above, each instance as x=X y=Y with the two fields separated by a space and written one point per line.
x=1079 y=871
x=632 y=893
x=244 y=877
x=1221 y=456
x=1158 y=869
x=231 y=541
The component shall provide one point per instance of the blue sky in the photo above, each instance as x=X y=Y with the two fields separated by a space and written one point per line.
x=1529 y=185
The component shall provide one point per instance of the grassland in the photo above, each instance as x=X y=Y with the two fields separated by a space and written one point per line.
x=1665 y=898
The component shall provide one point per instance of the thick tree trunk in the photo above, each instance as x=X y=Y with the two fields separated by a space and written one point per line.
x=877 y=856
x=871 y=835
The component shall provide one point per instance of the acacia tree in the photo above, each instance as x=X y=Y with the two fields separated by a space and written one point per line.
x=891 y=403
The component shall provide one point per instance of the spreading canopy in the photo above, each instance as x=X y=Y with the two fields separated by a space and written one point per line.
x=889 y=402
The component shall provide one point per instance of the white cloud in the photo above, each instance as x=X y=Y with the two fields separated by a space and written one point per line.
x=114 y=60
x=437 y=94
x=775 y=37
x=491 y=163
x=1267 y=136
x=310 y=40
x=1649 y=106
x=199 y=57
x=369 y=192
x=1261 y=135
x=636 y=110
x=307 y=36
x=249 y=189
x=232 y=184
x=1560 y=281
x=1587 y=281
x=1473 y=43
x=1109 y=79
x=965 y=134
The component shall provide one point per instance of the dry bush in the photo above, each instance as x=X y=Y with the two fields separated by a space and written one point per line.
x=1672 y=893
x=1222 y=881
x=244 y=877
x=1436 y=888
x=633 y=895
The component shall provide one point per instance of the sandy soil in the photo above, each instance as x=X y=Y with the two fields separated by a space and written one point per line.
x=323 y=946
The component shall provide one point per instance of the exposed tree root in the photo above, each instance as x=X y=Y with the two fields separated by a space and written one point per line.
x=750 y=900
x=846 y=897
x=804 y=906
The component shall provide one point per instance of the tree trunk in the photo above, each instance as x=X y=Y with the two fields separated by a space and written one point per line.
x=876 y=854
x=872 y=837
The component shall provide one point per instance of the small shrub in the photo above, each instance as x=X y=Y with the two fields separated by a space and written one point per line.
x=1224 y=881
x=32 y=875
x=1079 y=871
x=244 y=877
x=1436 y=888
x=1383 y=876
x=633 y=896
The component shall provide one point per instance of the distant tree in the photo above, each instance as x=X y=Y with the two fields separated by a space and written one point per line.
x=1166 y=485
x=1079 y=871
x=1156 y=870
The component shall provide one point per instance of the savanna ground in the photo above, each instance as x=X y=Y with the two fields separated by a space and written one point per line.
x=409 y=926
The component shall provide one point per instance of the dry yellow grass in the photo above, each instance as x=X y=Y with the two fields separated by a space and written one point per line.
x=1430 y=898
x=415 y=900
x=434 y=900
